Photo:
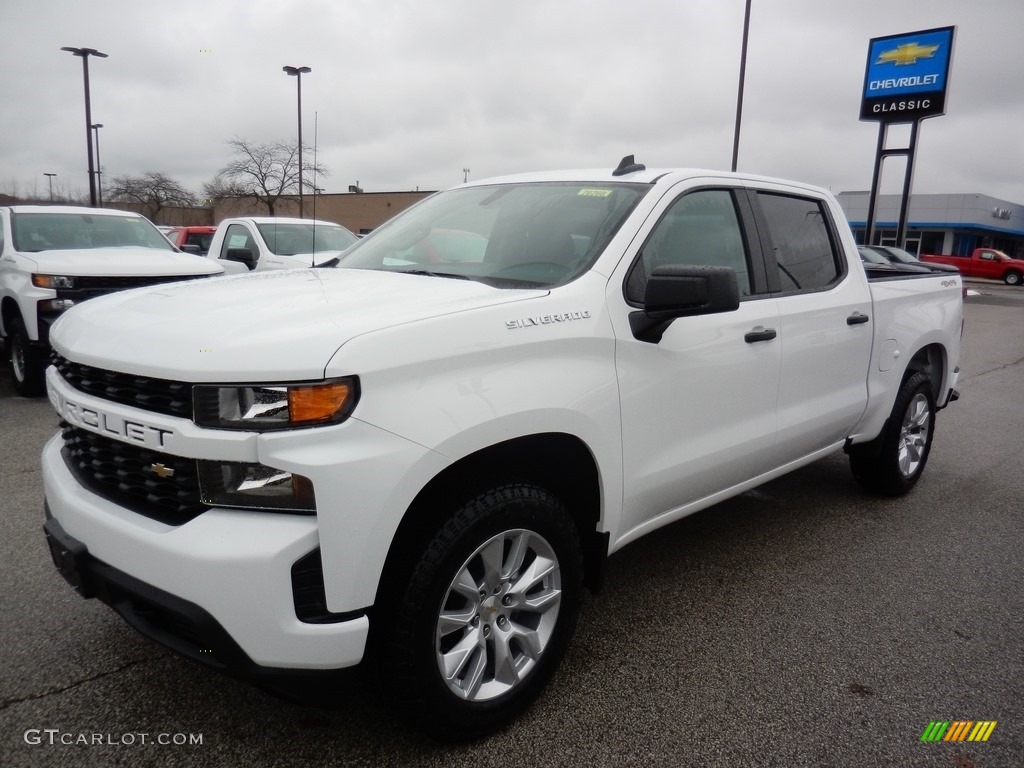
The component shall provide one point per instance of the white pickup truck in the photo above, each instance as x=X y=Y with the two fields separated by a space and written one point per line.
x=53 y=257
x=421 y=457
x=258 y=243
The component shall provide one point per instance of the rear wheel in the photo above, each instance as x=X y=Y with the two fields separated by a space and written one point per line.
x=1012 y=278
x=892 y=463
x=27 y=364
x=487 y=614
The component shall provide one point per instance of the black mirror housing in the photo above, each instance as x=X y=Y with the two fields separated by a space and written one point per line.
x=680 y=290
x=683 y=290
x=243 y=255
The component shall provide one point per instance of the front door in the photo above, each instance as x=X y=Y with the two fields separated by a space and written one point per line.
x=698 y=408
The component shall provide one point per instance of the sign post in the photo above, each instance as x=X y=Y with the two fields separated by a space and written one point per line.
x=905 y=81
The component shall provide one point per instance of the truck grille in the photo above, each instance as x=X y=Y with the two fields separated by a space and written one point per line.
x=91 y=286
x=127 y=475
x=173 y=398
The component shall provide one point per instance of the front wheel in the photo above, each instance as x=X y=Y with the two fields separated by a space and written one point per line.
x=487 y=615
x=1012 y=278
x=892 y=463
x=27 y=365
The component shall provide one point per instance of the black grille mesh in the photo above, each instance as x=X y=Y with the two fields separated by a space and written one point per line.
x=125 y=474
x=173 y=398
x=91 y=286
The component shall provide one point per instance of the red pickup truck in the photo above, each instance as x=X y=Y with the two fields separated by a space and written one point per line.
x=199 y=237
x=984 y=262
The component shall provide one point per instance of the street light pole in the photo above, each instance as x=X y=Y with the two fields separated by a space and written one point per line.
x=50 y=179
x=99 y=166
x=297 y=72
x=85 y=53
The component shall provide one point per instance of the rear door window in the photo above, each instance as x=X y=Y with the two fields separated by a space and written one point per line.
x=801 y=242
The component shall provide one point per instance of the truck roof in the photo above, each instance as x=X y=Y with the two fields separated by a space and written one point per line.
x=641 y=176
x=281 y=220
x=69 y=209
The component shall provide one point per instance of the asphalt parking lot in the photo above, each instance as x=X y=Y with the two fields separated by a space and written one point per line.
x=802 y=624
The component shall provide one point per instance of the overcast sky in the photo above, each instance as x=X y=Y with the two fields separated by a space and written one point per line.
x=408 y=93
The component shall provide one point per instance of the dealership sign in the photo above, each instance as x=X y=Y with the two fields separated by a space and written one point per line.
x=906 y=76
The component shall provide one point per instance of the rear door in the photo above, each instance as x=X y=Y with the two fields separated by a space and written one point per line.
x=825 y=322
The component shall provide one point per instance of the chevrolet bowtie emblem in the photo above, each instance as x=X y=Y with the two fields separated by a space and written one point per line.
x=906 y=54
x=160 y=470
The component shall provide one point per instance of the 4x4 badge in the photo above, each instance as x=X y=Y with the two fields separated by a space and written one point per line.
x=161 y=471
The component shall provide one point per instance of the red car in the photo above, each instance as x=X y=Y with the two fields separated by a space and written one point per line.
x=191 y=239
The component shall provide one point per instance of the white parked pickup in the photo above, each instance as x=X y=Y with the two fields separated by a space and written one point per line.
x=53 y=257
x=259 y=243
x=421 y=457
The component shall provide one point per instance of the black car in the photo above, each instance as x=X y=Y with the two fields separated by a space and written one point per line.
x=878 y=264
x=900 y=256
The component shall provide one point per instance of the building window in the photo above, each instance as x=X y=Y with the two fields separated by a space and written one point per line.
x=964 y=244
x=931 y=242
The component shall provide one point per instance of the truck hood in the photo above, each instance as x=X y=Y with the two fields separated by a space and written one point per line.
x=263 y=326
x=123 y=262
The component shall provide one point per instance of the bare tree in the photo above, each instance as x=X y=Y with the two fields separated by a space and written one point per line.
x=265 y=172
x=153 y=190
x=219 y=188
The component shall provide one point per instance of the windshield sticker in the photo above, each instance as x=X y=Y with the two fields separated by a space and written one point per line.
x=237 y=241
x=594 y=193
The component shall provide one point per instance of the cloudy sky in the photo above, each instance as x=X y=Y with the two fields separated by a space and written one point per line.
x=408 y=93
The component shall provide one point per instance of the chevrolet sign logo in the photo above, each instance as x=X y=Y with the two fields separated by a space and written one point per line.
x=902 y=55
x=160 y=470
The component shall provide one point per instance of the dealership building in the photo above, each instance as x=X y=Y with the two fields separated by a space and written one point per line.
x=944 y=224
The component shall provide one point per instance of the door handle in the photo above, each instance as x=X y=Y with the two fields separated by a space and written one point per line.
x=760 y=333
x=857 y=318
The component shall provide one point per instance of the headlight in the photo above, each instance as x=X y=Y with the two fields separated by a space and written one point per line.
x=254 y=486
x=262 y=407
x=56 y=305
x=53 y=281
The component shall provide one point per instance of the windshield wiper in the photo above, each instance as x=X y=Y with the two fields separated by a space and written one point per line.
x=428 y=273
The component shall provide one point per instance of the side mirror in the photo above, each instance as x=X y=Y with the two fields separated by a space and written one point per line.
x=242 y=255
x=682 y=290
x=190 y=248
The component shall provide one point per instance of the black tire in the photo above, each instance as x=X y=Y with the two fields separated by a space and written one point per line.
x=1012 y=277
x=27 y=365
x=892 y=463
x=510 y=614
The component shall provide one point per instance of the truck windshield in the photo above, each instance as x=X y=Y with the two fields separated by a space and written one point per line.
x=35 y=232
x=290 y=239
x=527 y=234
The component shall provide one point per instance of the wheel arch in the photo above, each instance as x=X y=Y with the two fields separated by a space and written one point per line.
x=559 y=462
x=9 y=310
x=930 y=360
